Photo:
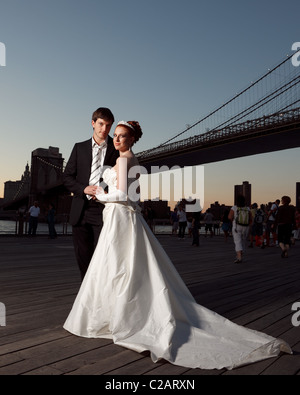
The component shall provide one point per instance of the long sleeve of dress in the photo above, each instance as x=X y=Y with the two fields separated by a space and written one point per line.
x=112 y=197
x=119 y=194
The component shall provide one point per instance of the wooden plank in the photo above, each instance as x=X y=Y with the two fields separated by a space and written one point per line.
x=48 y=353
x=107 y=360
x=138 y=367
x=39 y=280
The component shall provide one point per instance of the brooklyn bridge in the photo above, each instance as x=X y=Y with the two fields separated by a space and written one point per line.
x=264 y=117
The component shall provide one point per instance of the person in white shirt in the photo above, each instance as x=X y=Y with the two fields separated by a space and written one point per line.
x=241 y=218
x=269 y=225
x=209 y=221
x=34 y=213
x=182 y=221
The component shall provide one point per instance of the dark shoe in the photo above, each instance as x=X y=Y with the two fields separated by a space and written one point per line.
x=284 y=254
x=237 y=261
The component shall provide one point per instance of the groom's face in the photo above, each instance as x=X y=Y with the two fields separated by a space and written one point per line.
x=101 y=129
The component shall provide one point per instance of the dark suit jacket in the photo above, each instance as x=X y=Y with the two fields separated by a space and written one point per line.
x=77 y=174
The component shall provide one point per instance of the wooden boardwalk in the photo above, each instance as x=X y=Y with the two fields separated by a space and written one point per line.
x=39 y=280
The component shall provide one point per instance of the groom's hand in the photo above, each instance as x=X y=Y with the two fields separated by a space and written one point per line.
x=90 y=190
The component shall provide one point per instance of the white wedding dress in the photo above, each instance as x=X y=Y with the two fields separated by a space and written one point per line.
x=133 y=295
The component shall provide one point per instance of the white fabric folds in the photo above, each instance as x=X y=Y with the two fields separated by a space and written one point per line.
x=133 y=295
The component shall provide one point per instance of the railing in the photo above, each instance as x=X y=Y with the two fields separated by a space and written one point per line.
x=22 y=220
x=254 y=125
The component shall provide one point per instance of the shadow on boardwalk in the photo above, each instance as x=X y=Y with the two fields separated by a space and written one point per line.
x=39 y=280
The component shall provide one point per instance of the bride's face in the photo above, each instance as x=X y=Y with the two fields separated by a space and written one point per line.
x=122 y=139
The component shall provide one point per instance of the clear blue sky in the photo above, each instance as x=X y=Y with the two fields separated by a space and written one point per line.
x=165 y=63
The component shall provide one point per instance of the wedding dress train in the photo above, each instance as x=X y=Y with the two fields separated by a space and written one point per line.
x=133 y=295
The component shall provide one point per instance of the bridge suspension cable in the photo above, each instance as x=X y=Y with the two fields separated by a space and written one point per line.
x=281 y=85
x=261 y=103
x=51 y=164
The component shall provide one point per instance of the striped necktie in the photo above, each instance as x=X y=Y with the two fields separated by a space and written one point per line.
x=96 y=168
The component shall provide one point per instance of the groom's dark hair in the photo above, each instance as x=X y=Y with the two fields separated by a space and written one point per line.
x=103 y=113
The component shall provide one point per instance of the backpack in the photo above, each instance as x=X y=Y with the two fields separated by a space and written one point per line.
x=242 y=216
x=259 y=217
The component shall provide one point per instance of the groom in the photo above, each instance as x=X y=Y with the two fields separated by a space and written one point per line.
x=86 y=213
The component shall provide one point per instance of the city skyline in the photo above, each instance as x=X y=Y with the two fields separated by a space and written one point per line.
x=166 y=69
x=154 y=190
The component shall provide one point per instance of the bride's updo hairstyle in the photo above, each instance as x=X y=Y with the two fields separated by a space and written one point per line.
x=133 y=128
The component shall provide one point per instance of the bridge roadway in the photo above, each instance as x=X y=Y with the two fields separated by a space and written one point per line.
x=39 y=280
x=225 y=145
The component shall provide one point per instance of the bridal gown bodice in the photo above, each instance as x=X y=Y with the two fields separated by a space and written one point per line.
x=132 y=199
x=133 y=295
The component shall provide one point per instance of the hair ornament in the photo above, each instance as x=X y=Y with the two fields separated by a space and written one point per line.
x=126 y=124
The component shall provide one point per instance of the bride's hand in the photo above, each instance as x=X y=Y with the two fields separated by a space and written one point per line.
x=99 y=191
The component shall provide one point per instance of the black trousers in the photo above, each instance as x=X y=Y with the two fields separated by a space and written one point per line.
x=33 y=223
x=85 y=238
x=195 y=233
x=285 y=233
x=182 y=226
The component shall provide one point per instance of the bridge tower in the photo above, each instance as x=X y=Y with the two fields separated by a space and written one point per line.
x=46 y=171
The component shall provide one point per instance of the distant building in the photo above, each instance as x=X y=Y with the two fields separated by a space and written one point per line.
x=42 y=183
x=16 y=189
x=245 y=190
x=218 y=210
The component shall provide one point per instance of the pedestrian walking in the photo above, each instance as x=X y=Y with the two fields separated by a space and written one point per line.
x=34 y=213
x=285 y=220
x=241 y=218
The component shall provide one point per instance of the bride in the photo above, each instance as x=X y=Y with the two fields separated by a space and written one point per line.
x=133 y=294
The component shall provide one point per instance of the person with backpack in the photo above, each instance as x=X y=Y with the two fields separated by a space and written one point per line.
x=241 y=218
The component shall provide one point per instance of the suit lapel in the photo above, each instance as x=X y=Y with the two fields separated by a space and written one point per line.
x=88 y=157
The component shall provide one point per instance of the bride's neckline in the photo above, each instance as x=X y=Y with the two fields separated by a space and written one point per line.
x=111 y=168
